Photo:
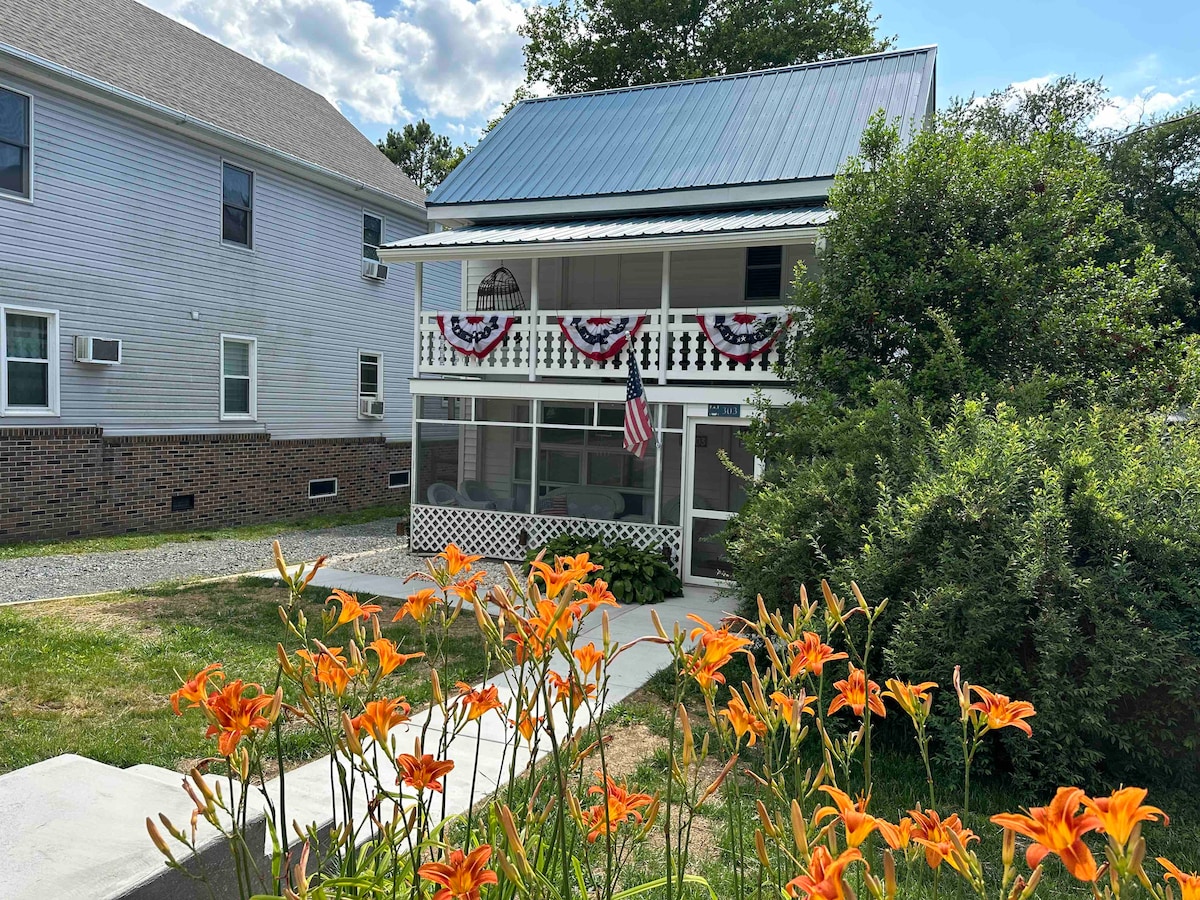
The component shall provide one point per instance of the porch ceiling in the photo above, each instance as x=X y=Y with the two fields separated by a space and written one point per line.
x=630 y=234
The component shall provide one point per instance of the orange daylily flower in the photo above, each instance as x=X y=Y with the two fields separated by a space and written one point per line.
x=1059 y=829
x=233 y=715
x=195 y=689
x=478 y=702
x=330 y=667
x=621 y=806
x=715 y=650
x=468 y=588
x=569 y=691
x=589 y=597
x=560 y=575
x=857 y=693
x=417 y=605
x=456 y=561
x=743 y=721
x=589 y=658
x=1120 y=813
x=461 y=876
x=351 y=608
x=914 y=699
x=1189 y=883
x=582 y=562
x=853 y=814
x=812 y=655
x=792 y=708
x=390 y=658
x=380 y=716
x=1001 y=711
x=549 y=623
x=933 y=833
x=825 y=878
x=526 y=724
x=898 y=836
x=424 y=773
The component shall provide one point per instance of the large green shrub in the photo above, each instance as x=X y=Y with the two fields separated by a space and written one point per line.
x=633 y=575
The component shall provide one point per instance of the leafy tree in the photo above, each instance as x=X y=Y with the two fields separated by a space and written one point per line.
x=1067 y=104
x=583 y=45
x=426 y=157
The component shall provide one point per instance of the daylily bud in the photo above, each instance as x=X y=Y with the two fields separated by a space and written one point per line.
x=244 y=765
x=1033 y=883
x=760 y=847
x=721 y=776
x=159 y=842
x=284 y=663
x=276 y=706
x=1009 y=848
x=689 y=743
x=277 y=551
x=436 y=682
x=509 y=872
x=889 y=874
x=862 y=601
x=605 y=636
x=765 y=818
x=351 y=733
x=799 y=829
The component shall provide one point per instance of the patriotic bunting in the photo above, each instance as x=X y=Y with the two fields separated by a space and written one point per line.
x=475 y=335
x=742 y=336
x=602 y=337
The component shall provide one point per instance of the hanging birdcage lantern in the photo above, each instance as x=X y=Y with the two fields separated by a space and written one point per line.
x=499 y=292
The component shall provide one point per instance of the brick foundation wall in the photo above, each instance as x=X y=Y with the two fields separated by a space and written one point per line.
x=68 y=482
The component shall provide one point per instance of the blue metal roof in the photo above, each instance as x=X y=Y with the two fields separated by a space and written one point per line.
x=594 y=232
x=776 y=125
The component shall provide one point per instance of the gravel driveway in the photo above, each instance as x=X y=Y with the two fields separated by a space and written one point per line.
x=38 y=577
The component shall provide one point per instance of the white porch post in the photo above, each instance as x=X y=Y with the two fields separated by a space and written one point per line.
x=535 y=413
x=417 y=286
x=533 y=318
x=664 y=313
x=658 y=463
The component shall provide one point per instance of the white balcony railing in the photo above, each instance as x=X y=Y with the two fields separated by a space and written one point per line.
x=689 y=356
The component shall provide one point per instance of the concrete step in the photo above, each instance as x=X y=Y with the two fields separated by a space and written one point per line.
x=82 y=833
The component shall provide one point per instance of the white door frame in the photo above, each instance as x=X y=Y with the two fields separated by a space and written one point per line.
x=687 y=512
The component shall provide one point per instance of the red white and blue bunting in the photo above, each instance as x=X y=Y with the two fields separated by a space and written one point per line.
x=742 y=336
x=475 y=335
x=600 y=337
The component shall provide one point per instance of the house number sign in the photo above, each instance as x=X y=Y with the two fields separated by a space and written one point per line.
x=725 y=410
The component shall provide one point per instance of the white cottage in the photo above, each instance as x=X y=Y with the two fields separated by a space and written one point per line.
x=670 y=215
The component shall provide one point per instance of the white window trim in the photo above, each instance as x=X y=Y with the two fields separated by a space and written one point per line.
x=240 y=417
x=27 y=197
x=52 y=351
x=399 y=487
x=378 y=395
x=246 y=248
x=362 y=231
x=322 y=496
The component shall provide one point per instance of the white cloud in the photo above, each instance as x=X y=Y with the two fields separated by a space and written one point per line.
x=444 y=59
x=1121 y=112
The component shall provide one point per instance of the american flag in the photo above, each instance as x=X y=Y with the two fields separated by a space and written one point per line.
x=638 y=431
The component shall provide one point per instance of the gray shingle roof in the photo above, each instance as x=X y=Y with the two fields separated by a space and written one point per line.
x=771 y=126
x=131 y=47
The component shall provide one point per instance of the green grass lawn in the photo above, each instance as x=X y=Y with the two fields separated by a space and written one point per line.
x=240 y=532
x=92 y=676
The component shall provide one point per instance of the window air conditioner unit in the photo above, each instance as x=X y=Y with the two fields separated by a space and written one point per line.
x=374 y=269
x=99 y=351
x=371 y=409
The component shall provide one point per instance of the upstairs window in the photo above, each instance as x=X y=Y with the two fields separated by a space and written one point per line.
x=764 y=273
x=239 y=377
x=15 y=134
x=372 y=236
x=28 y=338
x=237 y=205
x=370 y=376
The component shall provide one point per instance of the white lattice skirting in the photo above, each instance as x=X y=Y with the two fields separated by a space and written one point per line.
x=508 y=535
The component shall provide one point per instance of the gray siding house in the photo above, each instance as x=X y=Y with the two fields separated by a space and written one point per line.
x=167 y=358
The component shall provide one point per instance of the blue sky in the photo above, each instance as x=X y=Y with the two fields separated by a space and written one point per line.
x=455 y=62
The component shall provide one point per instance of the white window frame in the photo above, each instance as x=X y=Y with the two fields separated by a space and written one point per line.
x=407 y=480
x=253 y=344
x=363 y=233
x=27 y=196
x=249 y=248
x=322 y=496
x=378 y=395
x=53 y=362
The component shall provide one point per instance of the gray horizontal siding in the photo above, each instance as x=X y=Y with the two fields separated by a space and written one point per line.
x=123 y=240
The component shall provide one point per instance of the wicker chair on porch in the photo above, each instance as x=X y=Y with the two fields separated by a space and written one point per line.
x=478 y=492
x=442 y=494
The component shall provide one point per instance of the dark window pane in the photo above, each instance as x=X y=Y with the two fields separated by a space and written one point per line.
x=27 y=336
x=14 y=118
x=12 y=168
x=368 y=377
x=237 y=358
x=237 y=396
x=28 y=384
x=764 y=256
x=762 y=284
x=372 y=230
x=237 y=187
x=235 y=226
x=369 y=253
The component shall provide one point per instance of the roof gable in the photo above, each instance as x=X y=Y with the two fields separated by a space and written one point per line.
x=773 y=126
x=131 y=47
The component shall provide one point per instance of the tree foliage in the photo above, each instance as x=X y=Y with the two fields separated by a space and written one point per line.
x=583 y=45
x=425 y=156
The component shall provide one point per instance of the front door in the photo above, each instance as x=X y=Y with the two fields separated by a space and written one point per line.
x=712 y=494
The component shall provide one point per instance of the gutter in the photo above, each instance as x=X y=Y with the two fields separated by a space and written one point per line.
x=78 y=84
